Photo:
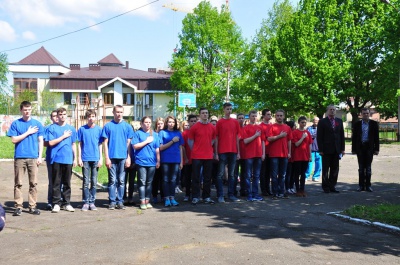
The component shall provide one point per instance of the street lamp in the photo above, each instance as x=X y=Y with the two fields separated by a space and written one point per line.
x=387 y=2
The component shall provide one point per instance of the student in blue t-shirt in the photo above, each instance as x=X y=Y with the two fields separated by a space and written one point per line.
x=90 y=159
x=117 y=135
x=54 y=120
x=147 y=151
x=27 y=135
x=171 y=154
x=62 y=138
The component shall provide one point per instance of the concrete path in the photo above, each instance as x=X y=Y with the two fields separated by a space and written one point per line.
x=293 y=231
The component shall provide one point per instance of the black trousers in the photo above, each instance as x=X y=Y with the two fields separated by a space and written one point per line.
x=61 y=176
x=330 y=171
x=364 y=157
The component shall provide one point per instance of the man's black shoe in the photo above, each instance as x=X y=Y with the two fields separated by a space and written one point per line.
x=34 y=211
x=326 y=191
x=334 y=191
x=369 y=189
x=361 y=189
x=17 y=212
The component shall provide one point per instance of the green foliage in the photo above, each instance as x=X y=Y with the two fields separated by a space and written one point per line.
x=384 y=213
x=210 y=45
x=47 y=101
x=5 y=97
x=25 y=95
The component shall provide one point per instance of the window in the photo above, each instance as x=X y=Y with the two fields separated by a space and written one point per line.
x=84 y=98
x=67 y=98
x=128 y=98
x=108 y=98
x=23 y=85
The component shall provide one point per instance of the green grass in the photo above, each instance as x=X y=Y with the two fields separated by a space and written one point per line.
x=7 y=147
x=384 y=213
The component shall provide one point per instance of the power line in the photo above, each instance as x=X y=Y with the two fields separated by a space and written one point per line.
x=75 y=31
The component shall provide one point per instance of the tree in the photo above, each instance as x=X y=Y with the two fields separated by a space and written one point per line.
x=4 y=91
x=210 y=45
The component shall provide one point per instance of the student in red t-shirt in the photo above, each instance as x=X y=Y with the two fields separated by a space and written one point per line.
x=301 y=155
x=279 y=137
x=254 y=154
x=265 y=174
x=187 y=157
x=227 y=151
x=201 y=140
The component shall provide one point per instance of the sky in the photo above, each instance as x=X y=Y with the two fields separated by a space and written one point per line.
x=145 y=37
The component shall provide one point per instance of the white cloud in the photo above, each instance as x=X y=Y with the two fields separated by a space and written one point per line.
x=7 y=33
x=28 y=35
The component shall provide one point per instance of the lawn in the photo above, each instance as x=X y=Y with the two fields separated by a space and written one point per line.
x=384 y=213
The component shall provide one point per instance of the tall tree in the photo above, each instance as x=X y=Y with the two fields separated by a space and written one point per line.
x=4 y=91
x=210 y=45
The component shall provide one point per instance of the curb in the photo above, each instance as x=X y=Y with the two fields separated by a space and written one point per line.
x=382 y=226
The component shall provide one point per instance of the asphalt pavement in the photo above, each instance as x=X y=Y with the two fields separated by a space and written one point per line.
x=292 y=231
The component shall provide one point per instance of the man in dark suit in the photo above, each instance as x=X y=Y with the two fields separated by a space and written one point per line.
x=365 y=143
x=330 y=138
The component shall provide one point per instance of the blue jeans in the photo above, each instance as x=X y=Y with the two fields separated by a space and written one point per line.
x=89 y=172
x=145 y=178
x=278 y=173
x=253 y=168
x=116 y=181
x=315 y=165
x=170 y=173
x=230 y=160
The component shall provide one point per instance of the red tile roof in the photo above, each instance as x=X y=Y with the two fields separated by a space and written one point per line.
x=110 y=72
x=110 y=59
x=40 y=57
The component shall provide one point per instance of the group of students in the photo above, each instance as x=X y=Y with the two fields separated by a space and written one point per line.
x=199 y=151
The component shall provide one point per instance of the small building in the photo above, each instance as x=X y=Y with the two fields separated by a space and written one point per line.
x=100 y=86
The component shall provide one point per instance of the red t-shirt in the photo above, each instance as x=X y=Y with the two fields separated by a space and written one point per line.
x=202 y=136
x=253 y=148
x=227 y=131
x=241 y=143
x=185 y=135
x=279 y=148
x=301 y=152
x=265 y=128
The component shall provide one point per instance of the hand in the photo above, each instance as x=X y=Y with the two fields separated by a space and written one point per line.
x=181 y=165
x=175 y=139
x=80 y=163
x=75 y=163
x=258 y=133
x=128 y=162
x=39 y=161
x=100 y=163
x=263 y=157
x=67 y=133
x=158 y=164
x=305 y=135
x=289 y=156
x=32 y=129
x=238 y=156
x=149 y=139
x=282 y=134
x=108 y=163
x=216 y=157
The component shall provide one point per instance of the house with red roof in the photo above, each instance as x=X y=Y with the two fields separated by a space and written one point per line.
x=101 y=85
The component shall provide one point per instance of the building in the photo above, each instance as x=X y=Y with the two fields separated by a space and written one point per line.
x=100 y=86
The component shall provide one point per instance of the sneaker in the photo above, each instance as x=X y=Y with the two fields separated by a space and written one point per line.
x=208 y=201
x=85 y=207
x=167 y=203
x=299 y=194
x=258 y=198
x=143 y=206
x=275 y=197
x=315 y=180
x=120 y=206
x=174 y=202
x=221 y=199
x=234 y=199
x=92 y=207
x=283 y=196
x=56 y=208
x=49 y=207
x=111 y=206
x=69 y=208
x=186 y=199
x=34 y=211
x=292 y=191
x=149 y=206
x=249 y=199
x=177 y=190
x=195 y=201
x=17 y=212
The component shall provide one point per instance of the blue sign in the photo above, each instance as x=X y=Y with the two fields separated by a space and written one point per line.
x=186 y=100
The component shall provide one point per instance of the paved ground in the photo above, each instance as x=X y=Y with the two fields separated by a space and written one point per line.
x=291 y=231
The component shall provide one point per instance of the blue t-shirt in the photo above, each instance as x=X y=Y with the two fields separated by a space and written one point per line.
x=172 y=154
x=146 y=156
x=28 y=147
x=62 y=152
x=90 y=138
x=117 y=135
